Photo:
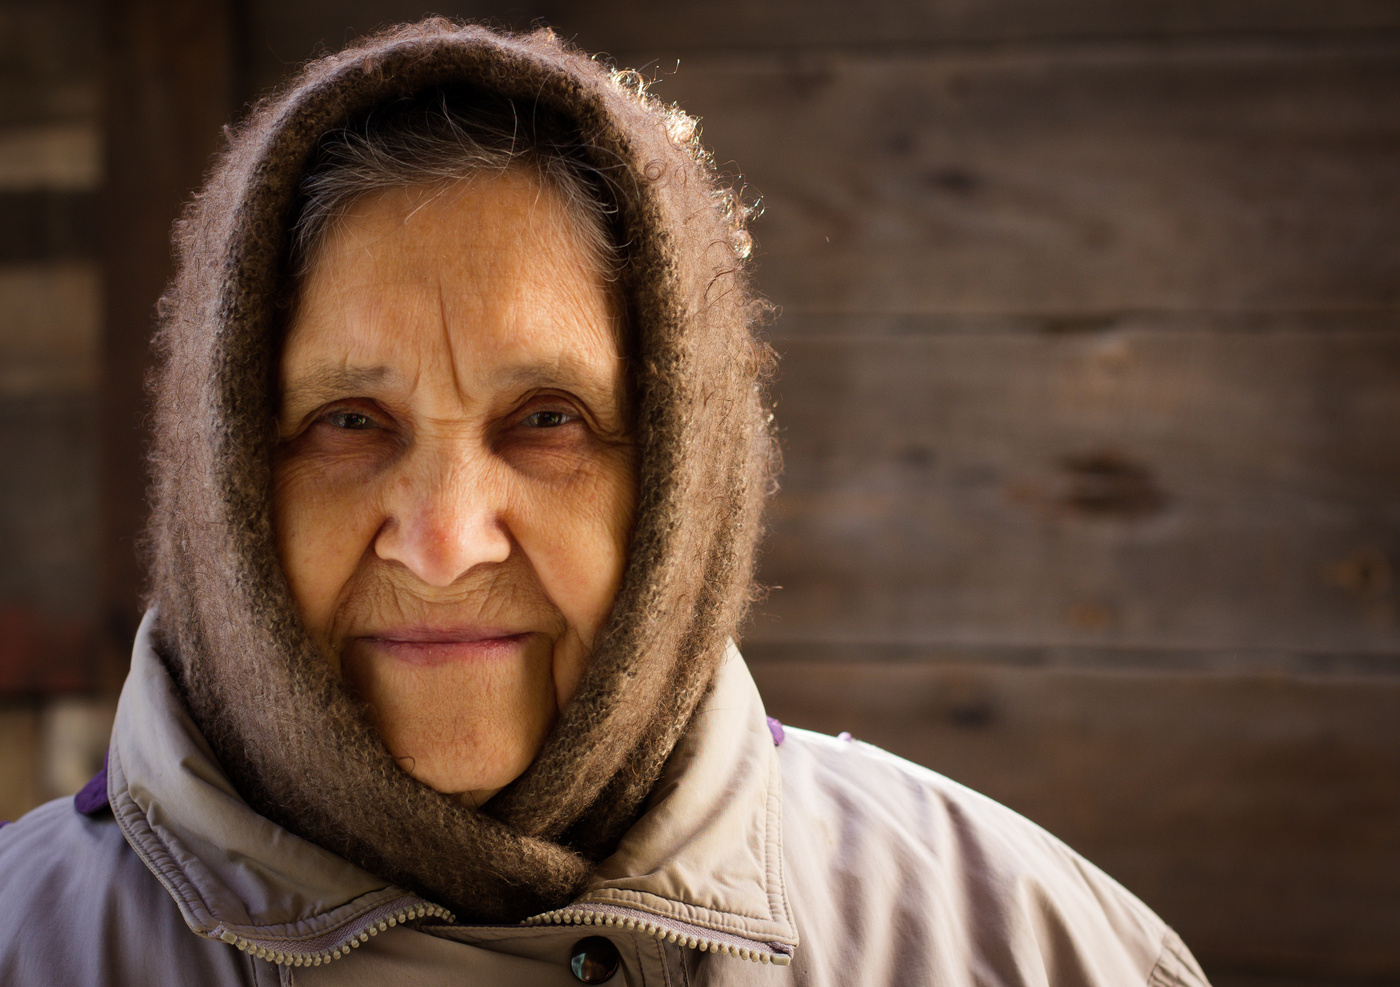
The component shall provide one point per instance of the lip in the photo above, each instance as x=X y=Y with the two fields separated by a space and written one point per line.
x=442 y=646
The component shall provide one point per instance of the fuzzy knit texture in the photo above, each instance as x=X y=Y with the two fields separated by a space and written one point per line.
x=296 y=744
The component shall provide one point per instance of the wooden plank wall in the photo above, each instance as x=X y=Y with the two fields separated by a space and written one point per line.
x=1091 y=369
x=108 y=117
x=172 y=82
x=50 y=301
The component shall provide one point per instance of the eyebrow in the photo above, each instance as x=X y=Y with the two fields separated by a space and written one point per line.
x=324 y=382
x=320 y=381
x=529 y=375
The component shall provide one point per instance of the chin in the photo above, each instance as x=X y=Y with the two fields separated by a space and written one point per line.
x=474 y=771
x=459 y=717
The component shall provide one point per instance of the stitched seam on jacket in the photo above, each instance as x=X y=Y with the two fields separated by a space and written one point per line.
x=132 y=821
x=773 y=831
x=1160 y=975
x=146 y=842
x=641 y=965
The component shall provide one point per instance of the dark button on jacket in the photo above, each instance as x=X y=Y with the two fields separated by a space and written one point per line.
x=594 y=960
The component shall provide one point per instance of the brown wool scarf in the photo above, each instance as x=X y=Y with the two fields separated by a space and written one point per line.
x=296 y=744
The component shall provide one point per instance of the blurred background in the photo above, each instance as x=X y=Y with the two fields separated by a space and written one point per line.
x=1090 y=400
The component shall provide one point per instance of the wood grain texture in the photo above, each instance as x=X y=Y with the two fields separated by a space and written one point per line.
x=638 y=33
x=1167 y=483
x=42 y=654
x=1074 y=182
x=49 y=530
x=170 y=88
x=51 y=318
x=63 y=156
x=49 y=505
x=47 y=225
x=1258 y=814
x=648 y=30
x=49 y=59
x=19 y=758
x=278 y=35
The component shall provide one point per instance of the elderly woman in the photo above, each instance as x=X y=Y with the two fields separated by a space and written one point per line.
x=460 y=453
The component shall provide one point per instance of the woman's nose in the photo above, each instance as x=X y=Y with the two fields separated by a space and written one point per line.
x=444 y=519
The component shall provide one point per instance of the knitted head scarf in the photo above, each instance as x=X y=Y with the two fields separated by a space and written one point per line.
x=296 y=744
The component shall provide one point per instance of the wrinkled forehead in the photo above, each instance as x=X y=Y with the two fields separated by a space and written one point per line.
x=487 y=276
x=430 y=144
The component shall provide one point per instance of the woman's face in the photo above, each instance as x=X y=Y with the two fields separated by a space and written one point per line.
x=455 y=481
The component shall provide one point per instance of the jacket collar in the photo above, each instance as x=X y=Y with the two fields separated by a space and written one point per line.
x=705 y=854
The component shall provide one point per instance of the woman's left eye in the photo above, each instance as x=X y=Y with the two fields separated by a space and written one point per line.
x=548 y=419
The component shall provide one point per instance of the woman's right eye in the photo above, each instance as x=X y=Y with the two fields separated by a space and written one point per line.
x=350 y=420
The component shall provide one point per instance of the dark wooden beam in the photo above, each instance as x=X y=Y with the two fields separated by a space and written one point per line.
x=170 y=87
x=47 y=224
x=641 y=29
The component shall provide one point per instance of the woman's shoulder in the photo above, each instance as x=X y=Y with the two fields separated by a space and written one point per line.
x=57 y=849
x=964 y=880
x=77 y=905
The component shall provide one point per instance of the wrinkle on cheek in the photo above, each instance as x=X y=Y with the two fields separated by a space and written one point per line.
x=594 y=471
x=322 y=533
x=570 y=662
x=604 y=508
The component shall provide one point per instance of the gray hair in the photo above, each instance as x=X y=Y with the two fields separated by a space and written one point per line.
x=442 y=138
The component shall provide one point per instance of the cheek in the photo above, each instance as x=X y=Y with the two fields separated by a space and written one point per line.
x=578 y=539
x=323 y=529
x=591 y=547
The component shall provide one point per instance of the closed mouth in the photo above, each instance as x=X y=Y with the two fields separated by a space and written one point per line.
x=433 y=646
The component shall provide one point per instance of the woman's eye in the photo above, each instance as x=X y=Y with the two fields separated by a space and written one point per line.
x=350 y=419
x=548 y=419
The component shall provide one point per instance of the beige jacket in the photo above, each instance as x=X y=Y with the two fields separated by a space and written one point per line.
x=766 y=856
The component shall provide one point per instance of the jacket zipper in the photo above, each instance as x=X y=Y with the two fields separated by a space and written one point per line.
x=387 y=916
x=378 y=920
x=669 y=930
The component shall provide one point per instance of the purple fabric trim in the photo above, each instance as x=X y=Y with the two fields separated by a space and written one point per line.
x=776 y=729
x=4 y=823
x=93 y=798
